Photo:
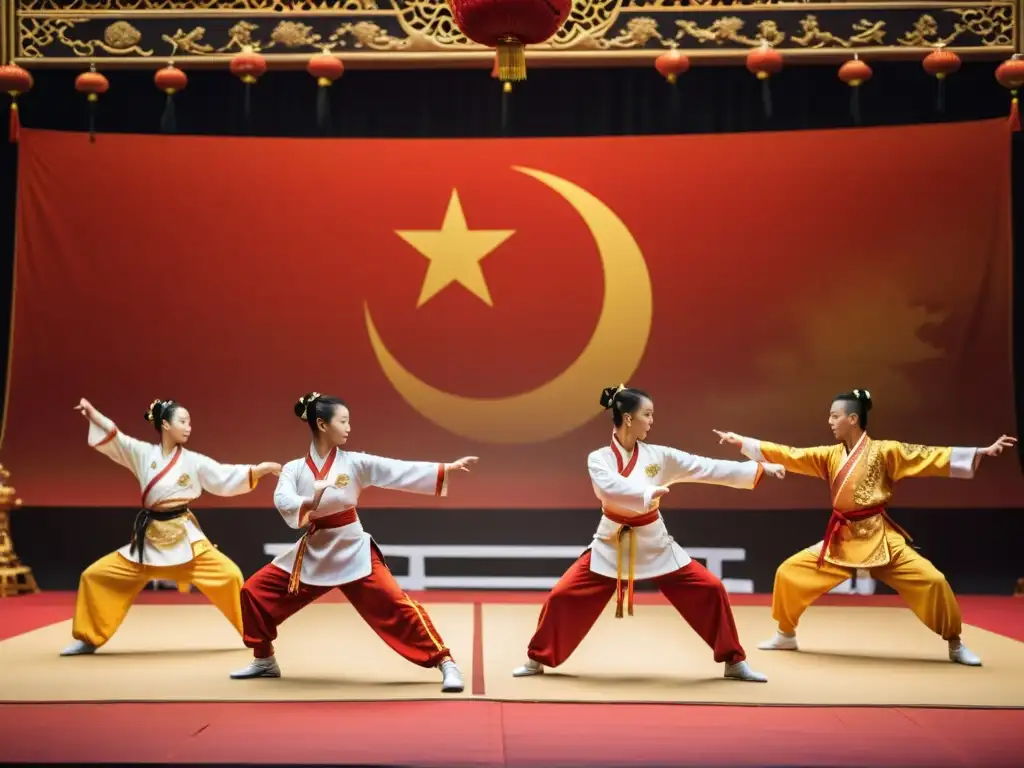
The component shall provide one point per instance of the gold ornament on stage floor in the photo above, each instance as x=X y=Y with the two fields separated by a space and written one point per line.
x=15 y=578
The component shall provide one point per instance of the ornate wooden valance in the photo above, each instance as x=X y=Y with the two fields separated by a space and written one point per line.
x=421 y=33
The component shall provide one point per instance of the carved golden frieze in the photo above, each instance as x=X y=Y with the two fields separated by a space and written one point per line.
x=140 y=31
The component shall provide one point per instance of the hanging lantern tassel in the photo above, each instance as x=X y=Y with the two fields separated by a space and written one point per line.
x=93 y=85
x=509 y=26
x=506 y=95
x=170 y=80
x=15 y=81
x=511 y=60
x=855 y=73
x=764 y=62
x=1010 y=75
x=671 y=65
x=326 y=69
x=248 y=66
x=941 y=63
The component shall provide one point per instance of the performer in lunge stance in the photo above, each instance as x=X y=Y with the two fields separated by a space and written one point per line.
x=629 y=477
x=167 y=542
x=319 y=492
x=860 y=534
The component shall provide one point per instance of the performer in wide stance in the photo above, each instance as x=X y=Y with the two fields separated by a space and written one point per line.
x=319 y=492
x=167 y=542
x=629 y=477
x=860 y=534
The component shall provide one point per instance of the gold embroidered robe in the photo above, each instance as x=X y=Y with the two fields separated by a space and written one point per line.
x=861 y=480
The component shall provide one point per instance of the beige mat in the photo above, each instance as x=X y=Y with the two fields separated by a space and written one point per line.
x=175 y=653
x=849 y=656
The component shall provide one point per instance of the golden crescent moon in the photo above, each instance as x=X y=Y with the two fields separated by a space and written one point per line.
x=570 y=399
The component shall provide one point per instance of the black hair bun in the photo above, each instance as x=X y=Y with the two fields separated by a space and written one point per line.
x=864 y=397
x=608 y=396
x=156 y=411
x=302 y=407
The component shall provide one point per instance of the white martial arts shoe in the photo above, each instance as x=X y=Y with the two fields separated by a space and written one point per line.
x=963 y=655
x=451 y=678
x=742 y=671
x=528 y=669
x=258 y=668
x=81 y=648
x=780 y=642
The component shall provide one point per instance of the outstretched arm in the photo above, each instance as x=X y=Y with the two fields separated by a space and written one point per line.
x=231 y=479
x=803 y=461
x=683 y=467
x=908 y=460
x=106 y=438
x=422 y=477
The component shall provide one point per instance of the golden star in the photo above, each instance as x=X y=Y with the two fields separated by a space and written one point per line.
x=455 y=253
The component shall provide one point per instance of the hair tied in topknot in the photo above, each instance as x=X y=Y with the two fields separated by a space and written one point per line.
x=154 y=408
x=608 y=395
x=307 y=401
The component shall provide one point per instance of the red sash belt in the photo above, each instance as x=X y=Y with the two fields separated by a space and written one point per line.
x=628 y=524
x=336 y=520
x=840 y=519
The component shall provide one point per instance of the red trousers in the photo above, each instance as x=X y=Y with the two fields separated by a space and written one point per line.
x=399 y=620
x=580 y=596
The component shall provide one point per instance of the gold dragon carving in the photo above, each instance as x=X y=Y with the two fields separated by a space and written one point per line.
x=428 y=26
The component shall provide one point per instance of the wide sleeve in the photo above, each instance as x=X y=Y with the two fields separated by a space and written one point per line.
x=106 y=438
x=907 y=460
x=802 y=461
x=427 y=478
x=287 y=498
x=613 y=488
x=224 y=479
x=681 y=467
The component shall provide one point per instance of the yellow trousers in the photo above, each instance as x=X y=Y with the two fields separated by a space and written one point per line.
x=109 y=586
x=799 y=582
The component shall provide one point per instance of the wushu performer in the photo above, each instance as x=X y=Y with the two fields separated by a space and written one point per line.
x=319 y=492
x=167 y=542
x=860 y=534
x=629 y=477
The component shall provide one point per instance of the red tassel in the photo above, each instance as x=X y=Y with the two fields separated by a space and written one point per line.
x=1014 y=114
x=15 y=130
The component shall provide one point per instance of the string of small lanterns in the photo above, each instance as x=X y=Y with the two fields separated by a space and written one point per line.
x=509 y=39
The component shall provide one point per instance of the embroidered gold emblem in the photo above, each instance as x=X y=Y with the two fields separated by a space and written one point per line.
x=153 y=465
x=184 y=480
x=652 y=470
x=341 y=481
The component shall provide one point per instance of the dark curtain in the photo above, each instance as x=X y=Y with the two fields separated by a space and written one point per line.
x=468 y=103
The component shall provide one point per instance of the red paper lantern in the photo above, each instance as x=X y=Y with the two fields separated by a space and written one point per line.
x=1010 y=75
x=940 y=63
x=248 y=66
x=170 y=80
x=93 y=85
x=671 y=64
x=326 y=68
x=509 y=26
x=15 y=81
x=764 y=62
x=855 y=73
